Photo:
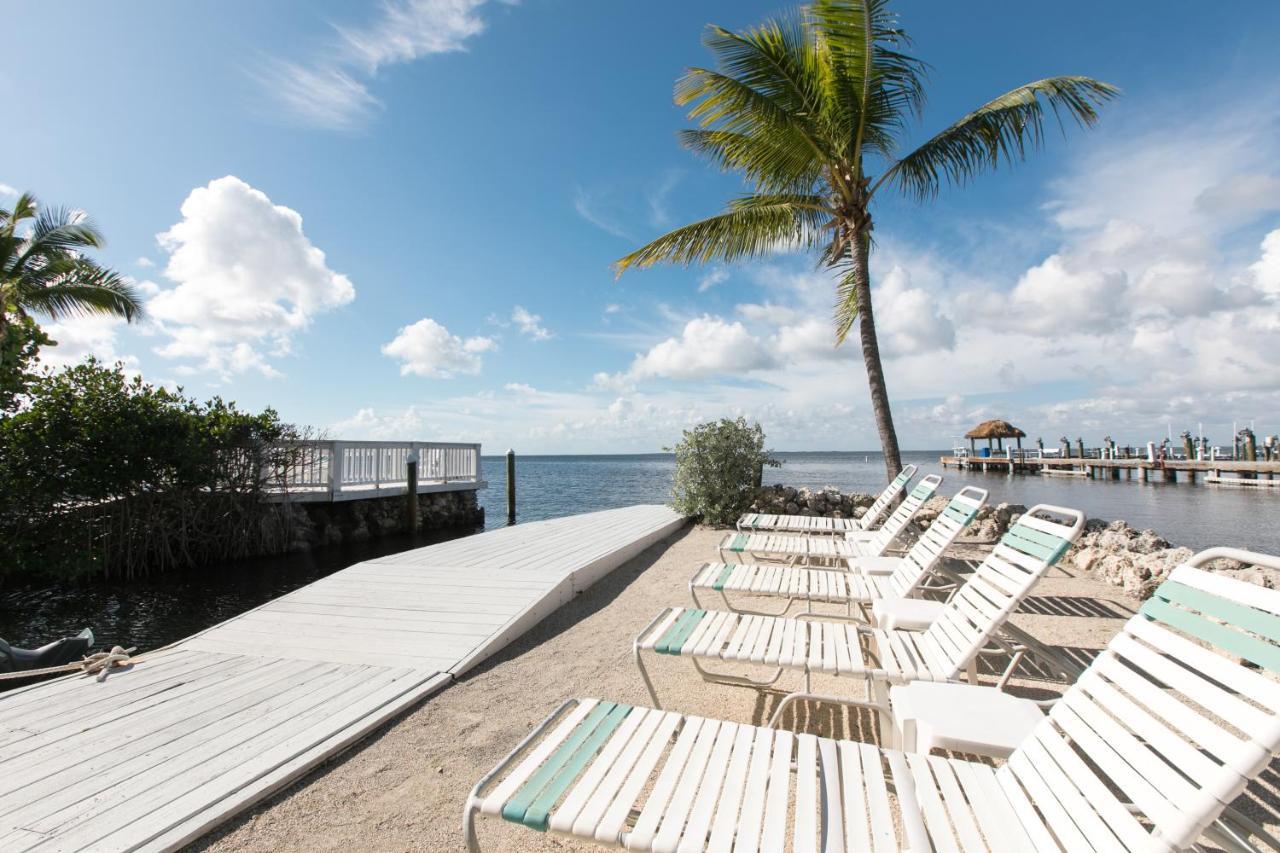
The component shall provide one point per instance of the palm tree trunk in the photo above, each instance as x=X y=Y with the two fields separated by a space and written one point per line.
x=860 y=257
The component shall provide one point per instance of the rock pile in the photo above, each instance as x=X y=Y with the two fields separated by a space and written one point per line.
x=987 y=526
x=1139 y=560
x=828 y=501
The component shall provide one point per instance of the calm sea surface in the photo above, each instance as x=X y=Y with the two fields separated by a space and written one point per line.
x=151 y=613
x=1197 y=516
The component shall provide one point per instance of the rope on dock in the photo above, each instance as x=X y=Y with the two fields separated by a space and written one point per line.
x=99 y=663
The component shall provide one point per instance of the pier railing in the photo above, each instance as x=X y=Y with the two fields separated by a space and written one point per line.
x=339 y=470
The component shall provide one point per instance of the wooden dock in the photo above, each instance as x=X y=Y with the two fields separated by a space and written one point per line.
x=1241 y=473
x=157 y=755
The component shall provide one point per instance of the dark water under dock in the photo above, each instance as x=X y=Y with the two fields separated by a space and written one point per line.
x=152 y=612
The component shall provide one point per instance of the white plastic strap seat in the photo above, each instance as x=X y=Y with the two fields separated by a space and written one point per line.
x=1163 y=730
x=815 y=525
x=798 y=584
x=830 y=549
x=755 y=521
x=942 y=653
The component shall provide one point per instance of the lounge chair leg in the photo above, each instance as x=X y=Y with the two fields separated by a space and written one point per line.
x=792 y=698
x=644 y=674
x=735 y=680
x=783 y=612
x=1009 y=670
x=473 y=801
x=469 y=828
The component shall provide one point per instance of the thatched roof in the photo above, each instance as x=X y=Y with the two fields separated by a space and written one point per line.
x=995 y=429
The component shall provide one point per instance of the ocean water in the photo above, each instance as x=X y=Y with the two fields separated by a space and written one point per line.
x=1197 y=516
x=151 y=612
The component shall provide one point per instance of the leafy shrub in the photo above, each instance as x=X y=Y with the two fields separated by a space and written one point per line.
x=717 y=470
x=106 y=474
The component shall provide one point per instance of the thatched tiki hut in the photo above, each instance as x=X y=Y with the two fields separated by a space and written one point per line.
x=994 y=431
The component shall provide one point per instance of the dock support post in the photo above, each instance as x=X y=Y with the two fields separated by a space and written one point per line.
x=1171 y=475
x=1142 y=473
x=511 y=487
x=411 y=515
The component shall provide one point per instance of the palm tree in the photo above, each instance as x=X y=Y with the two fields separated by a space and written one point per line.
x=811 y=108
x=43 y=268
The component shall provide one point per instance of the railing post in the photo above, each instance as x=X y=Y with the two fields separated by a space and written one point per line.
x=335 y=468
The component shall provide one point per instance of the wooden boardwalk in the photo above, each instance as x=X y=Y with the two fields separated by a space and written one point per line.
x=155 y=756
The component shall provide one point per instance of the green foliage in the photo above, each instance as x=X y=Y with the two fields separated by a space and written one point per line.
x=20 y=342
x=717 y=470
x=104 y=473
x=43 y=267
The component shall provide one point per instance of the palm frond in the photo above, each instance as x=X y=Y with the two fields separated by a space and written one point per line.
x=770 y=164
x=775 y=59
x=1002 y=130
x=716 y=100
x=846 y=305
x=874 y=86
x=87 y=289
x=753 y=226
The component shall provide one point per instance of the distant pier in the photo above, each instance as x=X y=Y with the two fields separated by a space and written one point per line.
x=1221 y=472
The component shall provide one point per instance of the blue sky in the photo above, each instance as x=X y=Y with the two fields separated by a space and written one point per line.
x=396 y=219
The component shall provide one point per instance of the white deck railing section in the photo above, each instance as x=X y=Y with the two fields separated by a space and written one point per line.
x=338 y=467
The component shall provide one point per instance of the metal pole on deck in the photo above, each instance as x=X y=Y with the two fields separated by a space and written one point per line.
x=511 y=487
x=411 y=516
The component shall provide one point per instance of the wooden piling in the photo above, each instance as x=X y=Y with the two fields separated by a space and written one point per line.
x=412 y=518
x=511 y=487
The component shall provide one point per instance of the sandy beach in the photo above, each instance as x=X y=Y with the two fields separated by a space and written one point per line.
x=404 y=788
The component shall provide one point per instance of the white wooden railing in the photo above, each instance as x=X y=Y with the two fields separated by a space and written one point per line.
x=376 y=467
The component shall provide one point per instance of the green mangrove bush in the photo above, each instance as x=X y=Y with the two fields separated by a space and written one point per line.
x=718 y=466
x=104 y=474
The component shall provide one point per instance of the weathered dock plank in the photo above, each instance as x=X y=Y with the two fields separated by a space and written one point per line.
x=155 y=756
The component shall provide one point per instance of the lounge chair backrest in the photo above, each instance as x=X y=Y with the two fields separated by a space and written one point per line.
x=902 y=516
x=890 y=493
x=977 y=610
x=1170 y=715
x=946 y=528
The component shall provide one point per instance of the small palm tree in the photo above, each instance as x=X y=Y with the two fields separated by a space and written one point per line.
x=811 y=107
x=43 y=268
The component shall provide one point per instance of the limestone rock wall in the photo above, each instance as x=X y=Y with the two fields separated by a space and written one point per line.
x=355 y=521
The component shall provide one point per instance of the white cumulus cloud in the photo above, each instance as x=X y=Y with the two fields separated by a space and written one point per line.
x=706 y=347
x=427 y=348
x=246 y=280
x=7 y=190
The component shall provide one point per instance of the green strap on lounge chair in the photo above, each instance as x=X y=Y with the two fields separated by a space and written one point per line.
x=1192 y=610
x=675 y=636
x=737 y=543
x=1038 y=544
x=960 y=513
x=923 y=491
x=532 y=803
x=724 y=576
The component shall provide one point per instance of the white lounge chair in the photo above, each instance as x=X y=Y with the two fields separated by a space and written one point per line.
x=1164 y=730
x=868 y=578
x=968 y=623
x=832 y=549
x=756 y=521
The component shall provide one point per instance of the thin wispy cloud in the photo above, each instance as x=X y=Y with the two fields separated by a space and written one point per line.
x=659 y=212
x=714 y=276
x=333 y=91
x=7 y=190
x=588 y=206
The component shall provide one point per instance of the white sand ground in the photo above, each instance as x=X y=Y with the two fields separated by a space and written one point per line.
x=403 y=788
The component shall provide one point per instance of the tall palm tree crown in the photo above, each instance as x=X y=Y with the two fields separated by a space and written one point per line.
x=43 y=268
x=811 y=107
